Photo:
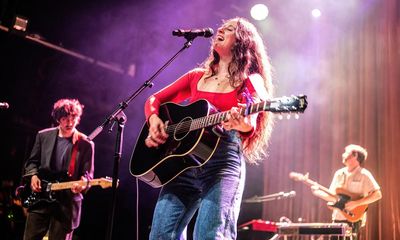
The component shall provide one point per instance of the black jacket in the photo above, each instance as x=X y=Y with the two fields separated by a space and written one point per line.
x=40 y=161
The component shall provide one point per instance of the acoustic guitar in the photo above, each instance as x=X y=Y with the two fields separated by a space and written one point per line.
x=193 y=137
x=341 y=195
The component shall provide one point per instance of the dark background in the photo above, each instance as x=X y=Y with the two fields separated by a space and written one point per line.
x=346 y=62
x=122 y=34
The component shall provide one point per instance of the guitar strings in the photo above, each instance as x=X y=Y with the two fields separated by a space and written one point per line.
x=187 y=126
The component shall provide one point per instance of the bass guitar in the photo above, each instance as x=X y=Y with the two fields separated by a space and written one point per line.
x=192 y=137
x=341 y=195
x=30 y=198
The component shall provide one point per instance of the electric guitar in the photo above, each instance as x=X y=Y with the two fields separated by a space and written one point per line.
x=30 y=198
x=341 y=195
x=192 y=137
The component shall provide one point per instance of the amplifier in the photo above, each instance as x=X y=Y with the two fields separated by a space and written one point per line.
x=336 y=229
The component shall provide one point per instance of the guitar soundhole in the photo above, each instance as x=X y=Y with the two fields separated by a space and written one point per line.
x=183 y=128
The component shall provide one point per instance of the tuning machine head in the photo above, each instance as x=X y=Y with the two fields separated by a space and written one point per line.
x=288 y=116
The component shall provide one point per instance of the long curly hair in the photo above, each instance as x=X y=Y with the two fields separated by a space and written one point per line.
x=249 y=56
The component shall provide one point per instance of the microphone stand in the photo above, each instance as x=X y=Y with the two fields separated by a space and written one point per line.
x=119 y=117
x=271 y=197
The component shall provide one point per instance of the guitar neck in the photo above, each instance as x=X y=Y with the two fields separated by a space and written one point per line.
x=310 y=182
x=68 y=185
x=217 y=118
x=276 y=105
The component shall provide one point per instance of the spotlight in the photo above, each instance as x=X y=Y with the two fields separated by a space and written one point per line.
x=316 y=13
x=20 y=23
x=259 y=12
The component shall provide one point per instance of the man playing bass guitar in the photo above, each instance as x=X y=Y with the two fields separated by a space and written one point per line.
x=355 y=179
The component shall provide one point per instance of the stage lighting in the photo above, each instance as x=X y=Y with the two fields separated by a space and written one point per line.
x=20 y=23
x=259 y=12
x=316 y=13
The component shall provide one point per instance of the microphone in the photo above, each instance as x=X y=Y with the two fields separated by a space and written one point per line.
x=192 y=33
x=4 y=105
x=290 y=194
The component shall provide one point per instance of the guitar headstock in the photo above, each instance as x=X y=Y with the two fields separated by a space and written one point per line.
x=106 y=182
x=292 y=104
x=298 y=176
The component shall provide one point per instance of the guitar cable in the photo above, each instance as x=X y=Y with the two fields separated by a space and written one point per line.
x=137 y=208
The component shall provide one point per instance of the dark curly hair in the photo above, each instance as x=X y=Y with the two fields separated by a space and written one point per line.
x=67 y=107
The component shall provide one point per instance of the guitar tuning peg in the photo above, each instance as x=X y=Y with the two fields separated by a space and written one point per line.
x=280 y=117
x=288 y=116
x=296 y=116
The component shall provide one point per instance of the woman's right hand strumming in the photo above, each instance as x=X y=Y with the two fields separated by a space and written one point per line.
x=157 y=134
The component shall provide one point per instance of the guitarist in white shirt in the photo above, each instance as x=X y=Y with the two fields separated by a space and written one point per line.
x=355 y=179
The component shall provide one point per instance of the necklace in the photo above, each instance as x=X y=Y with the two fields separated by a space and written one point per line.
x=221 y=80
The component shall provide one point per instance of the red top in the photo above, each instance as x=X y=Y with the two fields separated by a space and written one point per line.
x=186 y=87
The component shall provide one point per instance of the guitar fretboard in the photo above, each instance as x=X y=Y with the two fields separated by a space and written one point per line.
x=309 y=182
x=214 y=119
x=322 y=188
x=276 y=105
x=67 y=185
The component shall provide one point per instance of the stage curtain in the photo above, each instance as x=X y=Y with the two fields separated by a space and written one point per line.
x=355 y=100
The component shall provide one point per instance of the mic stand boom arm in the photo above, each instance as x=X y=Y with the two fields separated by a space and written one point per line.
x=147 y=83
x=118 y=116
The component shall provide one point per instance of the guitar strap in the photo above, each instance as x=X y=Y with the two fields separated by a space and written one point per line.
x=71 y=168
x=247 y=97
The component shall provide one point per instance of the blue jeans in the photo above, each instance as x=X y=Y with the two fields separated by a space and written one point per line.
x=215 y=190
